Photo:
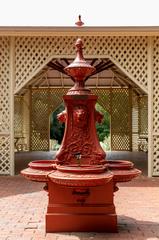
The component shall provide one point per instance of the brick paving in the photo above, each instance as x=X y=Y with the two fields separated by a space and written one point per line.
x=23 y=206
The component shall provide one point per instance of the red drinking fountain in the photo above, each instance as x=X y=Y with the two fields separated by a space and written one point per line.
x=80 y=182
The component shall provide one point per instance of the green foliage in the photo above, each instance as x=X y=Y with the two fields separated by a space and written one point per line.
x=56 y=128
x=103 y=129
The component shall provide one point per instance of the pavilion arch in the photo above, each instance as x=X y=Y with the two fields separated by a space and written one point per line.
x=38 y=54
x=33 y=53
x=23 y=57
x=44 y=100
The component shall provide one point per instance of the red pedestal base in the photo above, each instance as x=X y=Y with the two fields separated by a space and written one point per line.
x=81 y=199
x=81 y=209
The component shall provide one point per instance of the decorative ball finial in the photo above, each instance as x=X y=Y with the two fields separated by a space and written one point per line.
x=79 y=23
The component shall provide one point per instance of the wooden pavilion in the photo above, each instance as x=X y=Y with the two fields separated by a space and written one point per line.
x=32 y=82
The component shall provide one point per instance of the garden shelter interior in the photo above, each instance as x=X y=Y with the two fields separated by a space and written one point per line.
x=124 y=100
x=32 y=83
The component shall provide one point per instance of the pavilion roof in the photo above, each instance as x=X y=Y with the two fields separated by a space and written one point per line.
x=91 y=31
x=107 y=75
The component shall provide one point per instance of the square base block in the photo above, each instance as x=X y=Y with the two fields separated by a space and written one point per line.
x=81 y=209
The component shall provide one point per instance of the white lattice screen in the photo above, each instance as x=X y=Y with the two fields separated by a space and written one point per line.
x=26 y=119
x=120 y=120
x=4 y=154
x=43 y=103
x=18 y=116
x=135 y=121
x=4 y=106
x=39 y=120
x=55 y=98
x=129 y=53
x=115 y=101
x=143 y=115
x=22 y=122
x=104 y=98
x=156 y=106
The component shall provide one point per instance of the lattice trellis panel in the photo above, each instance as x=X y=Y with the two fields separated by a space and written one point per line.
x=39 y=120
x=156 y=156
x=120 y=120
x=156 y=106
x=4 y=84
x=135 y=121
x=18 y=116
x=21 y=122
x=4 y=154
x=103 y=97
x=55 y=96
x=113 y=101
x=143 y=115
x=26 y=119
x=4 y=106
x=45 y=101
x=156 y=86
x=33 y=53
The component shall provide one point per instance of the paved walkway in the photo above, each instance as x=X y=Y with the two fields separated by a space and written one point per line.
x=23 y=206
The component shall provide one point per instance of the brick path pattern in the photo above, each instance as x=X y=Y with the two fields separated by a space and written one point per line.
x=23 y=207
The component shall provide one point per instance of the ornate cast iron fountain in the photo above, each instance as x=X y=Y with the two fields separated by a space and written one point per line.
x=80 y=182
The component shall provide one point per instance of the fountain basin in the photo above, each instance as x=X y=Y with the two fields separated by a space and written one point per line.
x=84 y=168
x=35 y=175
x=43 y=164
x=120 y=164
x=43 y=170
x=38 y=170
x=76 y=179
x=125 y=175
x=123 y=170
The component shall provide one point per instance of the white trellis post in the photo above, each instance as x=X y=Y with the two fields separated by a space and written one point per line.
x=12 y=81
x=150 y=106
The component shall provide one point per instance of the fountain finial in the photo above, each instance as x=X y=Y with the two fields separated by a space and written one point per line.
x=79 y=23
x=79 y=69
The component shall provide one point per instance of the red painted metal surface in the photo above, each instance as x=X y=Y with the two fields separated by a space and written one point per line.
x=80 y=182
x=79 y=23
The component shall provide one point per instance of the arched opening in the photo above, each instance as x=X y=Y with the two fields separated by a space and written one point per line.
x=56 y=129
x=103 y=129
